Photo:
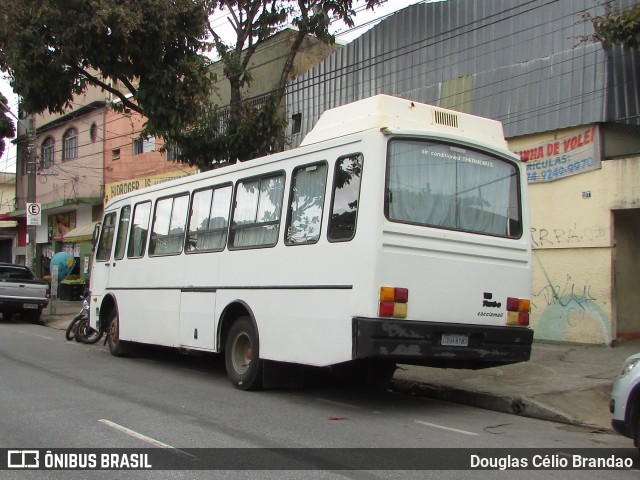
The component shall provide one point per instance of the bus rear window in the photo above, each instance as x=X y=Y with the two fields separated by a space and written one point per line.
x=447 y=186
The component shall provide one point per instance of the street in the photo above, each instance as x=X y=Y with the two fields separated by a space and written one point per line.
x=57 y=394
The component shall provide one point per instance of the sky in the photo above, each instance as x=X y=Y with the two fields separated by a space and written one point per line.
x=364 y=20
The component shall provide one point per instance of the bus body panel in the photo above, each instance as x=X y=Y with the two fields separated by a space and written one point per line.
x=455 y=281
x=307 y=326
x=197 y=318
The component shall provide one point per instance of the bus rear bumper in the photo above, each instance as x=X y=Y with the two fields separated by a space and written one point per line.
x=420 y=343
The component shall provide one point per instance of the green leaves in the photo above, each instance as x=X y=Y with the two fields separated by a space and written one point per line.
x=7 y=127
x=152 y=55
x=53 y=50
x=619 y=28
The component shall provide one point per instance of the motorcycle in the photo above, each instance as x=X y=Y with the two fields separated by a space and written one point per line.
x=79 y=328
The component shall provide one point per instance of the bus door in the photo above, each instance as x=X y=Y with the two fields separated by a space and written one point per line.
x=101 y=271
x=197 y=325
x=206 y=234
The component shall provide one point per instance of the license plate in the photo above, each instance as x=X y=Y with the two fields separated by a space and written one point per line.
x=30 y=306
x=455 y=340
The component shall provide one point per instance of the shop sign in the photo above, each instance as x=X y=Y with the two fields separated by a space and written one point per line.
x=570 y=155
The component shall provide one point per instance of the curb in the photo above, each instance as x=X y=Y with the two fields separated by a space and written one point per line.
x=521 y=406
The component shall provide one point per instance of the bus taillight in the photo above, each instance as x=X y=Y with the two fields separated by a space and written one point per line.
x=518 y=311
x=393 y=302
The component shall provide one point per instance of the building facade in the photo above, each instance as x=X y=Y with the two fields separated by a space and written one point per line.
x=569 y=107
x=133 y=161
x=65 y=172
x=8 y=228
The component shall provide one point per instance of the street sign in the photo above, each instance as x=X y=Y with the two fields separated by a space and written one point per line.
x=34 y=216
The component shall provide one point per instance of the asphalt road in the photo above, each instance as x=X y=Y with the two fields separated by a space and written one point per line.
x=57 y=394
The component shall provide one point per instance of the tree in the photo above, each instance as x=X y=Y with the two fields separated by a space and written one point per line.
x=617 y=28
x=153 y=56
x=7 y=128
x=145 y=52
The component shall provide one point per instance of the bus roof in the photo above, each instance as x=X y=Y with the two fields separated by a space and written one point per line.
x=386 y=112
x=380 y=112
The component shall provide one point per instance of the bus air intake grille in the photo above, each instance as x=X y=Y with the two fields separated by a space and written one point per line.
x=446 y=118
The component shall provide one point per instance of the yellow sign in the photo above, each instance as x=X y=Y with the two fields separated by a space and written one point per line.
x=119 y=188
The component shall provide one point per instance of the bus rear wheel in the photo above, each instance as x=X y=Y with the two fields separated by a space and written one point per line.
x=116 y=346
x=242 y=355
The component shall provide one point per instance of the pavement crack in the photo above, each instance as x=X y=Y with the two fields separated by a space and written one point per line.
x=490 y=429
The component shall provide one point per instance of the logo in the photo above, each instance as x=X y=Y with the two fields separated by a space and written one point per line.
x=488 y=302
x=23 y=459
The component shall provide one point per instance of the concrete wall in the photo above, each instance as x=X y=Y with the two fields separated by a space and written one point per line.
x=267 y=63
x=120 y=164
x=573 y=235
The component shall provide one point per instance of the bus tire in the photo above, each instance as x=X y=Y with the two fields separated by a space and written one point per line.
x=242 y=355
x=117 y=347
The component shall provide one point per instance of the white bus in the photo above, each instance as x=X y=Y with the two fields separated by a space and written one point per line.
x=396 y=233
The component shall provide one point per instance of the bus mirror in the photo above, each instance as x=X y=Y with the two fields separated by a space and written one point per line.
x=96 y=235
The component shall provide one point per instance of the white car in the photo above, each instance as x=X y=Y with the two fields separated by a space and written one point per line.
x=625 y=400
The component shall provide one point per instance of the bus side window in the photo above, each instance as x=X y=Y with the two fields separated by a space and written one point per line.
x=169 y=223
x=346 y=195
x=139 y=229
x=106 y=238
x=256 y=216
x=306 y=202
x=123 y=230
x=209 y=220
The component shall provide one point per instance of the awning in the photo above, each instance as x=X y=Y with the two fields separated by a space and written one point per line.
x=83 y=233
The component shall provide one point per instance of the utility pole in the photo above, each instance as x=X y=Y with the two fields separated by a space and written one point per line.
x=31 y=170
x=30 y=259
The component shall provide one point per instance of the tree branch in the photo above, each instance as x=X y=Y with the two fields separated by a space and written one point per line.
x=105 y=86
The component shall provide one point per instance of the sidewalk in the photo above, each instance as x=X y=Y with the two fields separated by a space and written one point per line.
x=563 y=382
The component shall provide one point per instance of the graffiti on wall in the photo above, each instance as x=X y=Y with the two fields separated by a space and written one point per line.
x=568 y=311
x=554 y=237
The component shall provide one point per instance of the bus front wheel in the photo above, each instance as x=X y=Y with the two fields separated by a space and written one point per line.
x=242 y=355
x=116 y=346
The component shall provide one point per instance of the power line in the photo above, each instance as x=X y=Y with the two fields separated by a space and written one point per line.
x=380 y=58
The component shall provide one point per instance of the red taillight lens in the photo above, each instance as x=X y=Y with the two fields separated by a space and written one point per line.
x=401 y=295
x=386 y=309
x=523 y=319
x=513 y=304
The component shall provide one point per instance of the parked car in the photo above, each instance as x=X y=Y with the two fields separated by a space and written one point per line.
x=22 y=292
x=625 y=400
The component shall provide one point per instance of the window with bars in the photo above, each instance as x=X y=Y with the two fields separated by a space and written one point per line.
x=143 y=145
x=70 y=144
x=47 y=151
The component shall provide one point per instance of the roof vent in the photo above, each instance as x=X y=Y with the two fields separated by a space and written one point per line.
x=446 y=118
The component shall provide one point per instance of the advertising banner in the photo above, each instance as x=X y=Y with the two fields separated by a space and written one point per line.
x=572 y=154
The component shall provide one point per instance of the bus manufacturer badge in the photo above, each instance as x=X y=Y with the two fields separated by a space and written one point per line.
x=488 y=302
